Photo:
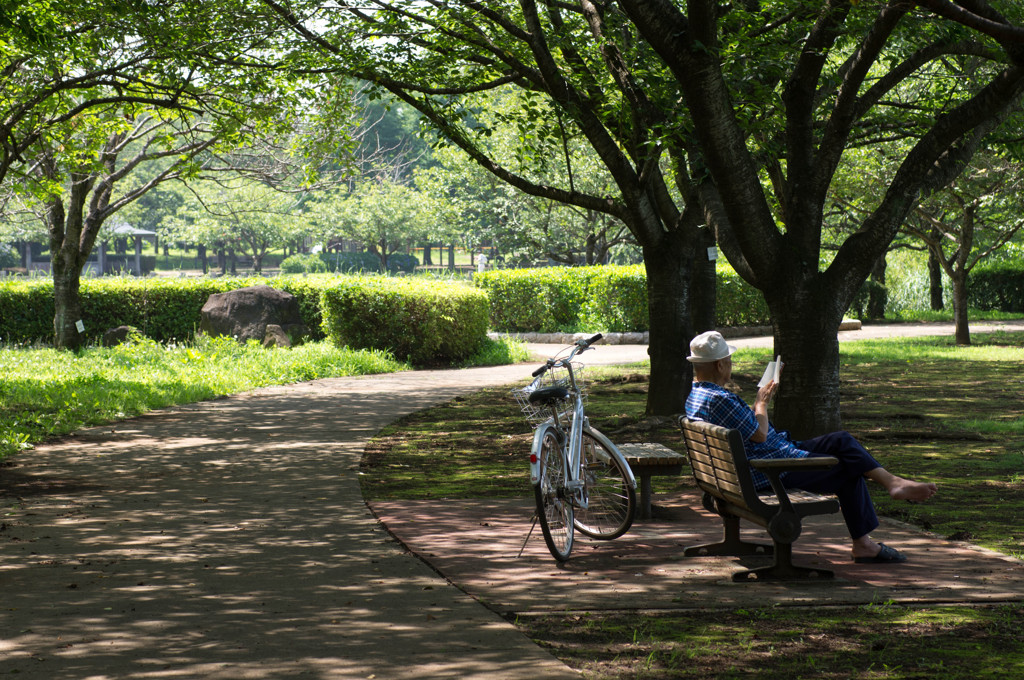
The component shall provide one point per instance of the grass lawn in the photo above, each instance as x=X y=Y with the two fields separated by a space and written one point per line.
x=928 y=409
x=45 y=393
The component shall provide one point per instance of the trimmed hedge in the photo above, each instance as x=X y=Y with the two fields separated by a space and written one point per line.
x=423 y=322
x=737 y=302
x=165 y=310
x=616 y=300
x=998 y=286
x=601 y=298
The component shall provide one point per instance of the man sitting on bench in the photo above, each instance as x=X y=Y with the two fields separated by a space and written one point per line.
x=711 y=357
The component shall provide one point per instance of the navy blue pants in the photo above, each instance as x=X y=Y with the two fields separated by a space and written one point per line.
x=845 y=480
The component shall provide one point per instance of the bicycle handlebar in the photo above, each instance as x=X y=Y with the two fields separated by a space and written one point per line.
x=581 y=346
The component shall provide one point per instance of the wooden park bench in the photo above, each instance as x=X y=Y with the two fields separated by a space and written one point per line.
x=647 y=460
x=722 y=471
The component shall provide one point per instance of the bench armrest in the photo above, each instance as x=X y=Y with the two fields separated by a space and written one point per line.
x=774 y=467
x=785 y=464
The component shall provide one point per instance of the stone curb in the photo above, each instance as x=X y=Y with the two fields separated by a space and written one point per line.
x=644 y=338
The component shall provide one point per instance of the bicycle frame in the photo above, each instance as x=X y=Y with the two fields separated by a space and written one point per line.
x=573 y=444
x=596 y=495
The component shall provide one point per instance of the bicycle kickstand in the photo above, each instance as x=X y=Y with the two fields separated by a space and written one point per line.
x=530 y=533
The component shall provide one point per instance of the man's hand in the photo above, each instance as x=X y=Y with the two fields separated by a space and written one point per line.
x=764 y=395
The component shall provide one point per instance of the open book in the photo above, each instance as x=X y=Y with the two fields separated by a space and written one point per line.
x=771 y=372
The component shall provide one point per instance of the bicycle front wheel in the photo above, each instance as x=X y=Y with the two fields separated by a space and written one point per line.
x=554 y=509
x=611 y=504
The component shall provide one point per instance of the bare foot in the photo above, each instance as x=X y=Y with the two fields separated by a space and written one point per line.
x=906 y=490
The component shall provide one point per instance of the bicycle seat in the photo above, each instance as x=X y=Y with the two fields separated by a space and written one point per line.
x=549 y=395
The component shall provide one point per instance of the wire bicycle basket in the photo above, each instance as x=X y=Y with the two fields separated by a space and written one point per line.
x=556 y=376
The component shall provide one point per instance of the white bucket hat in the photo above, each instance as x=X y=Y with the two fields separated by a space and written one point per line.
x=709 y=346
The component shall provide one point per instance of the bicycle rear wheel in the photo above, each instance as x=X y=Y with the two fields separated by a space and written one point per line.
x=611 y=503
x=554 y=510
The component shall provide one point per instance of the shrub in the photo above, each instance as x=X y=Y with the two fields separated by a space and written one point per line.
x=517 y=300
x=358 y=263
x=351 y=263
x=162 y=309
x=617 y=300
x=304 y=263
x=738 y=303
x=997 y=286
x=400 y=262
x=423 y=322
x=540 y=300
x=602 y=298
x=26 y=310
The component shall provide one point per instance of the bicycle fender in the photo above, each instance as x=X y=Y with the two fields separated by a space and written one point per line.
x=538 y=441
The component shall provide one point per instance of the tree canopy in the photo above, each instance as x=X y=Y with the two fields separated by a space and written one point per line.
x=734 y=115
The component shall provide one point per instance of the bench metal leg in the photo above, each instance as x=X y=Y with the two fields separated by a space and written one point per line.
x=645 y=496
x=731 y=543
x=782 y=569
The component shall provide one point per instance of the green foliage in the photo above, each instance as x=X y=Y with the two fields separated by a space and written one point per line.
x=424 y=322
x=545 y=299
x=307 y=291
x=46 y=393
x=998 y=286
x=8 y=256
x=165 y=310
x=602 y=298
x=498 y=352
x=26 y=310
x=401 y=262
x=304 y=263
x=351 y=263
x=738 y=303
x=617 y=300
x=363 y=262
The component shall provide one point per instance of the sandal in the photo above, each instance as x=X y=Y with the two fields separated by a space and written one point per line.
x=886 y=555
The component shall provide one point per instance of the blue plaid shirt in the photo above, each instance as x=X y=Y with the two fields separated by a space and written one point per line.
x=715 y=404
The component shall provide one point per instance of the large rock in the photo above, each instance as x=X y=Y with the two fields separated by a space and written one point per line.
x=118 y=336
x=245 y=313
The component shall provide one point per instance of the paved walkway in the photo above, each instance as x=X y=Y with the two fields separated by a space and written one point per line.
x=228 y=539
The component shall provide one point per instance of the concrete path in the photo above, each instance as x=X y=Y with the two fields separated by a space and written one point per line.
x=228 y=539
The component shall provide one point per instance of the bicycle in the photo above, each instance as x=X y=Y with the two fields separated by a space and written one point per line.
x=581 y=482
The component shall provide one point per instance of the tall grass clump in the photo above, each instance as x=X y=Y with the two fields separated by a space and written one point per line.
x=499 y=352
x=907 y=286
x=46 y=393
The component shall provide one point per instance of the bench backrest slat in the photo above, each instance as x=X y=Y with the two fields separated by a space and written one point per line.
x=713 y=452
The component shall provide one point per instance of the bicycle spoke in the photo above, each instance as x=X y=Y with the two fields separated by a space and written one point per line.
x=553 y=509
x=612 y=500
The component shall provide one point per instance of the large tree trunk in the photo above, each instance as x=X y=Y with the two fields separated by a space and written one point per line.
x=878 y=296
x=704 y=287
x=71 y=240
x=935 y=276
x=67 y=305
x=669 y=275
x=808 y=399
x=959 y=271
x=962 y=331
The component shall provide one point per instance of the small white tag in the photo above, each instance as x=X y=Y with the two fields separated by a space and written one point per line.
x=80 y=326
x=712 y=253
